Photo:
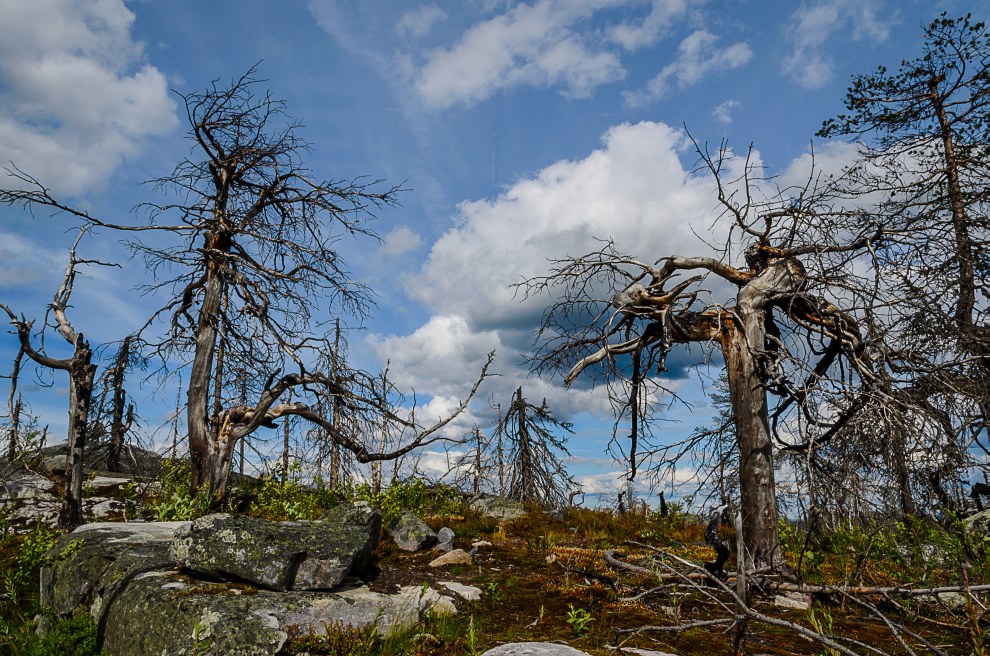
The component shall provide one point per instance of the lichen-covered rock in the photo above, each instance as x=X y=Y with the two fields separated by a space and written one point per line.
x=410 y=533
x=278 y=555
x=90 y=566
x=978 y=523
x=165 y=614
x=534 y=649
x=497 y=507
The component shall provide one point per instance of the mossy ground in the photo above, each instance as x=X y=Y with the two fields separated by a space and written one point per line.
x=531 y=590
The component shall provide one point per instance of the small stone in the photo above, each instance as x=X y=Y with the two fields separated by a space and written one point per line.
x=445 y=539
x=952 y=600
x=468 y=592
x=455 y=557
x=481 y=543
x=795 y=600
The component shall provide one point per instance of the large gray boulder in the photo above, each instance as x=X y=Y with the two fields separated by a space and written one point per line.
x=534 y=649
x=277 y=555
x=125 y=576
x=90 y=566
x=497 y=507
x=410 y=533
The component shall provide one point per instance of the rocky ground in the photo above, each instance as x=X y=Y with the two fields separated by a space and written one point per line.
x=493 y=576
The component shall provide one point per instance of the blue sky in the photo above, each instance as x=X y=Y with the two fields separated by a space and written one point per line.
x=521 y=131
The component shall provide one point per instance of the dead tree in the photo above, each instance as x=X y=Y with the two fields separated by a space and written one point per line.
x=536 y=473
x=14 y=407
x=120 y=419
x=255 y=237
x=81 y=371
x=784 y=333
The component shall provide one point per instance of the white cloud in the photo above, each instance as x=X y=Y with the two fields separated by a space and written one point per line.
x=723 y=111
x=401 y=240
x=631 y=35
x=633 y=189
x=418 y=22
x=697 y=57
x=811 y=27
x=76 y=101
x=530 y=44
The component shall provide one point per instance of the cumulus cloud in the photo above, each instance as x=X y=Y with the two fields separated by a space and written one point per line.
x=812 y=26
x=76 y=100
x=530 y=44
x=401 y=240
x=697 y=57
x=634 y=189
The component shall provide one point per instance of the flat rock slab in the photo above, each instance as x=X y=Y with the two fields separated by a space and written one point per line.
x=468 y=592
x=455 y=557
x=534 y=649
x=276 y=555
x=27 y=486
x=103 y=484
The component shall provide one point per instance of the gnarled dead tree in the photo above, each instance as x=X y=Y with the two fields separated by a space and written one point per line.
x=785 y=334
x=252 y=238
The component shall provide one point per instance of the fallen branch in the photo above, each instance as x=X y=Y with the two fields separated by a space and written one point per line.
x=870 y=590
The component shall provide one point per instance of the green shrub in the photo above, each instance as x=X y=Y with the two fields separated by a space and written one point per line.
x=33 y=551
x=176 y=501
x=291 y=500
x=412 y=495
x=68 y=637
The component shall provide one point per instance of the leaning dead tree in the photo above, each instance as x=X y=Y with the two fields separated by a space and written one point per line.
x=252 y=238
x=81 y=370
x=791 y=333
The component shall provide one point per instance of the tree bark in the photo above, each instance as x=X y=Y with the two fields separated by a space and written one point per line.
x=81 y=376
x=743 y=338
x=204 y=452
